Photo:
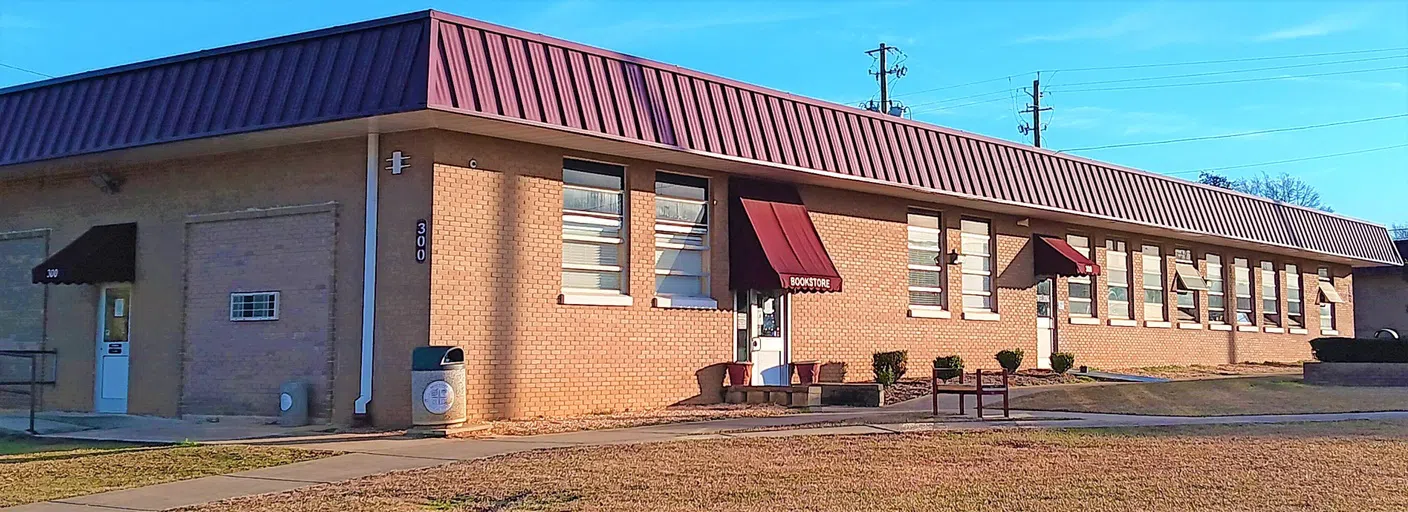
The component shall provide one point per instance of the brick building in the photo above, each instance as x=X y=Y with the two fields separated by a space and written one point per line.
x=1384 y=291
x=596 y=230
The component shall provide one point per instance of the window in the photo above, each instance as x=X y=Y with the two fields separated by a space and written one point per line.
x=1187 y=298
x=1270 y=295
x=1327 y=308
x=926 y=260
x=1117 y=263
x=1295 y=309
x=977 y=265
x=681 y=236
x=254 y=307
x=593 y=244
x=1242 y=282
x=1153 y=283
x=1217 y=298
x=1079 y=288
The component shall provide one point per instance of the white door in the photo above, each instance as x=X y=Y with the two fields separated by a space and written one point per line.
x=767 y=312
x=114 y=345
x=1045 y=324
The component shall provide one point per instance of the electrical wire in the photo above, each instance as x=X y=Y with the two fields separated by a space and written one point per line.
x=1232 y=71
x=30 y=71
x=1240 y=134
x=1292 y=160
x=1237 y=81
x=1246 y=59
x=951 y=107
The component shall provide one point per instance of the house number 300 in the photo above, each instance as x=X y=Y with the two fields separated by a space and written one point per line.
x=422 y=234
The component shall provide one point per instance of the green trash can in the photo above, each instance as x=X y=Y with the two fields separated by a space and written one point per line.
x=437 y=386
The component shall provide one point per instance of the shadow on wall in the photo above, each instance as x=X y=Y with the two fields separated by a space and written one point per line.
x=711 y=385
x=833 y=371
x=1019 y=274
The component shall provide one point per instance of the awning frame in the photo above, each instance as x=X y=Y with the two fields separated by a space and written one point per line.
x=1054 y=257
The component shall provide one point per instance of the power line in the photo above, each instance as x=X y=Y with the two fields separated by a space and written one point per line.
x=1228 y=72
x=1246 y=59
x=1237 y=81
x=970 y=96
x=951 y=107
x=947 y=87
x=1241 y=134
x=1292 y=160
x=30 y=71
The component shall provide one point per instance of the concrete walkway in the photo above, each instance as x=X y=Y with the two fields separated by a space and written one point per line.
x=365 y=455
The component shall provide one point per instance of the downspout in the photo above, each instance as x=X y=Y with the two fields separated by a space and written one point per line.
x=369 y=275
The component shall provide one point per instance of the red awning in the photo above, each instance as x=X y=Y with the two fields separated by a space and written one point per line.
x=1055 y=257
x=794 y=256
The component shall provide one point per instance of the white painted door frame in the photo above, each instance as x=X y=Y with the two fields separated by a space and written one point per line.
x=111 y=372
x=770 y=354
x=1045 y=322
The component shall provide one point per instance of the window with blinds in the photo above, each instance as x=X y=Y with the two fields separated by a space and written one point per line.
x=1327 y=308
x=1153 y=270
x=1270 y=295
x=1187 y=299
x=926 y=260
x=1295 y=305
x=1217 y=290
x=1079 y=288
x=977 y=265
x=593 y=242
x=1242 y=284
x=1117 y=275
x=681 y=235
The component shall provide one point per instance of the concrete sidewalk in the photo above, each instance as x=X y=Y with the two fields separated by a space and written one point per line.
x=370 y=455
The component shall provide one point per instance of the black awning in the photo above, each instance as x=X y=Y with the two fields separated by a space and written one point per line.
x=103 y=254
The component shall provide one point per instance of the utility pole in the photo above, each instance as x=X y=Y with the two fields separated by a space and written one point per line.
x=882 y=75
x=1035 y=109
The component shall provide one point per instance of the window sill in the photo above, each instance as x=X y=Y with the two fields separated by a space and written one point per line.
x=1220 y=327
x=1329 y=332
x=1123 y=322
x=1299 y=331
x=1246 y=328
x=686 y=303
x=586 y=299
x=1274 y=330
x=1190 y=327
x=1085 y=320
x=928 y=312
x=985 y=316
x=1157 y=324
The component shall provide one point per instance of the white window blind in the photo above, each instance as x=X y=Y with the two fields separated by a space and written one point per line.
x=681 y=235
x=1242 y=283
x=977 y=265
x=1270 y=295
x=1217 y=298
x=1327 y=308
x=1295 y=305
x=1187 y=300
x=926 y=260
x=1117 y=275
x=593 y=244
x=1153 y=270
x=1079 y=288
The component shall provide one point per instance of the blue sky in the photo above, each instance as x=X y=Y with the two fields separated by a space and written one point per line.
x=816 y=49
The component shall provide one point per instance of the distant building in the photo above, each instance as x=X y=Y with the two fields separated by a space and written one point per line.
x=1381 y=298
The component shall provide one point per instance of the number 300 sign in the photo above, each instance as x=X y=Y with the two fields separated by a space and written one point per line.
x=422 y=234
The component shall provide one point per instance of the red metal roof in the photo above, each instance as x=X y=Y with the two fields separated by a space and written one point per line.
x=438 y=61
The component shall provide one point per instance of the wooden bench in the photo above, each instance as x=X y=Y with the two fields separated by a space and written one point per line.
x=977 y=390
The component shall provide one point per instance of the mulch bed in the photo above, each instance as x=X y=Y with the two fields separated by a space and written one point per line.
x=910 y=389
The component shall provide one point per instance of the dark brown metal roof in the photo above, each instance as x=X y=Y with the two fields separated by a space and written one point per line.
x=443 y=62
x=491 y=70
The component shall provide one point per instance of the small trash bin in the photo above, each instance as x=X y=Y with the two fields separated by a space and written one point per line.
x=437 y=386
x=293 y=404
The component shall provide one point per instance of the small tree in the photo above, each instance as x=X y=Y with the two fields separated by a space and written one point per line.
x=1061 y=362
x=948 y=367
x=890 y=367
x=1010 y=359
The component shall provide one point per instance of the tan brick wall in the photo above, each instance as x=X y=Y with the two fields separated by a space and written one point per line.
x=237 y=367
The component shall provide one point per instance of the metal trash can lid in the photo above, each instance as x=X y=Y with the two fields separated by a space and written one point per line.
x=436 y=358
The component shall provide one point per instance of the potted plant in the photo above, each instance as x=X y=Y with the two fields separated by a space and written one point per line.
x=739 y=373
x=807 y=371
x=948 y=367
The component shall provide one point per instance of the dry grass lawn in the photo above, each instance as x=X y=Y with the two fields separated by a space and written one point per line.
x=642 y=418
x=1357 y=466
x=36 y=470
x=1200 y=371
x=1284 y=394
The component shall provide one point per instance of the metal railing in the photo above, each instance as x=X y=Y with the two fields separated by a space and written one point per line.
x=41 y=371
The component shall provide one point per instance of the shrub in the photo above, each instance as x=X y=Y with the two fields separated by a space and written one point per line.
x=894 y=364
x=1359 y=350
x=948 y=366
x=1010 y=359
x=1061 y=362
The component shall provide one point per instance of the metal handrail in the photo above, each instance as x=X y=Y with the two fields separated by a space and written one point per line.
x=34 y=378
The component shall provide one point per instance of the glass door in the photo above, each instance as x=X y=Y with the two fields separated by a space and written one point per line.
x=114 y=345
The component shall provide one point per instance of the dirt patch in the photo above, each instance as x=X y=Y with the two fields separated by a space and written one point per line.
x=1199 y=371
x=1317 y=467
x=910 y=389
x=679 y=414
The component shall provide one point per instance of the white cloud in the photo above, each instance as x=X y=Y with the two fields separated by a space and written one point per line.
x=1156 y=25
x=1324 y=26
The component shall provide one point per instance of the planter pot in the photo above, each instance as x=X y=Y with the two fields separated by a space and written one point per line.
x=947 y=373
x=807 y=371
x=739 y=373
